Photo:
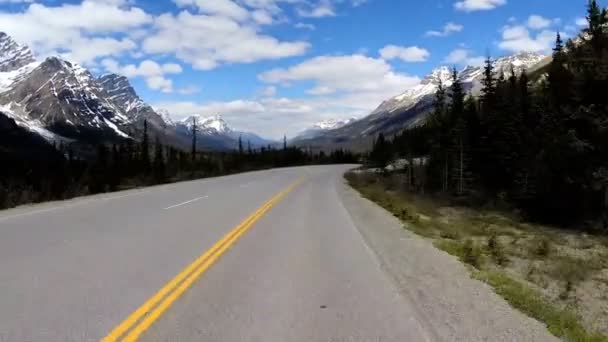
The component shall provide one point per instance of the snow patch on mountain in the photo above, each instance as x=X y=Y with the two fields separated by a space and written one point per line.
x=15 y=112
x=213 y=125
x=13 y=56
x=332 y=123
x=470 y=76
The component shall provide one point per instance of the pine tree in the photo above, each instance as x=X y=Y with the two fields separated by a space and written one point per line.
x=249 y=151
x=560 y=78
x=145 y=148
x=458 y=149
x=194 y=130
x=240 y=145
x=488 y=90
x=159 y=162
x=381 y=153
x=284 y=142
x=597 y=19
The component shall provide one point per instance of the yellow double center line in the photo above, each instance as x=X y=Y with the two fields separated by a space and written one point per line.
x=142 y=318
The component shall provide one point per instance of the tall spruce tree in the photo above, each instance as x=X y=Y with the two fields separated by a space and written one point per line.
x=145 y=148
x=194 y=131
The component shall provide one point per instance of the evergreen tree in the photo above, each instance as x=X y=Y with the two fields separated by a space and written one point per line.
x=488 y=90
x=240 y=145
x=597 y=19
x=159 y=162
x=194 y=130
x=145 y=148
x=381 y=154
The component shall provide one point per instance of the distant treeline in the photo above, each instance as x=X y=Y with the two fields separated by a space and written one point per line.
x=538 y=141
x=43 y=173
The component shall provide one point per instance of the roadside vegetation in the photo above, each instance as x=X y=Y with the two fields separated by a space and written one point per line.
x=47 y=172
x=514 y=181
x=557 y=276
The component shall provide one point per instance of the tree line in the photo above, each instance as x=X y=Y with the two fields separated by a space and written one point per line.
x=45 y=173
x=538 y=141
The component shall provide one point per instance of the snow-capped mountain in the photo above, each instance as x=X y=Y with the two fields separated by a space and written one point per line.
x=332 y=123
x=13 y=56
x=411 y=107
x=215 y=129
x=321 y=127
x=64 y=97
x=62 y=101
x=212 y=125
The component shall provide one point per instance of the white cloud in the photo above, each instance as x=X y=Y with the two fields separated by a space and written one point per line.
x=349 y=73
x=81 y=32
x=188 y=90
x=323 y=8
x=304 y=26
x=518 y=38
x=153 y=72
x=478 y=5
x=581 y=22
x=269 y=91
x=447 y=30
x=224 y=8
x=406 y=54
x=206 y=41
x=537 y=22
x=463 y=57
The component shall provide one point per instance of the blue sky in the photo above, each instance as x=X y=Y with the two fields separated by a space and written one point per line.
x=278 y=66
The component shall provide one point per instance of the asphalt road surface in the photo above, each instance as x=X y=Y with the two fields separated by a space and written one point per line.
x=262 y=256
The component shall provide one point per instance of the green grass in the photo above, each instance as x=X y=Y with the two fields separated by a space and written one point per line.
x=560 y=322
x=475 y=239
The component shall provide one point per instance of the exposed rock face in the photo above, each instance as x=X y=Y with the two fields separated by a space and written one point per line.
x=13 y=56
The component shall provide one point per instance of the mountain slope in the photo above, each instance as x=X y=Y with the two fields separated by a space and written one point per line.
x=320 y=127
x=411 y=107
x=59 y=100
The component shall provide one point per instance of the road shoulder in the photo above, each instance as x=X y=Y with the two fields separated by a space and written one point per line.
x=454 y=306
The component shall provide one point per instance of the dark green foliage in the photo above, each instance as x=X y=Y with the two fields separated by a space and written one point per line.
x=40 y=171
x=540 y=145
x=381 y=153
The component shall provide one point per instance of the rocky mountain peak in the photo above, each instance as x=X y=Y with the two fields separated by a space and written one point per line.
x=443 y=74
x=13 y=56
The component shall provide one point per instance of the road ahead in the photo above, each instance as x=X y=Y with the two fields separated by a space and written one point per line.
x=262 y=256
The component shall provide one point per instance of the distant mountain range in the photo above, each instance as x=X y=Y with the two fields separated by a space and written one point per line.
x=62 y=101
x=412 y=106
x=321 y=127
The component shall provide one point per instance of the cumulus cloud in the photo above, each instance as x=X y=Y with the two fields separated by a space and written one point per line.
x=206 y=41
x=189 y=90
x=406 y=54
x=447 y=30
x=153 y=72
x=305 y=26
x=82 y=32
x=581 y=22
x=343 y=86
x=537 y=22
x=323 y=8
x=518 y=38
x=478 y=5
x=348 y=73
x=463 y=57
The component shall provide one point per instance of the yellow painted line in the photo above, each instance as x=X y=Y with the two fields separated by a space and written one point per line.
x=144 y=316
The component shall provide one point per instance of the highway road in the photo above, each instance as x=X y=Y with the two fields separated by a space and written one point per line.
x=262 y=256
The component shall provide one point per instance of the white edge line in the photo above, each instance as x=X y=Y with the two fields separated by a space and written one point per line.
x=74 y=202
x=184 y=203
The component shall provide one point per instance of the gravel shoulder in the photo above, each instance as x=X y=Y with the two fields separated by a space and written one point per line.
x=454 y=306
